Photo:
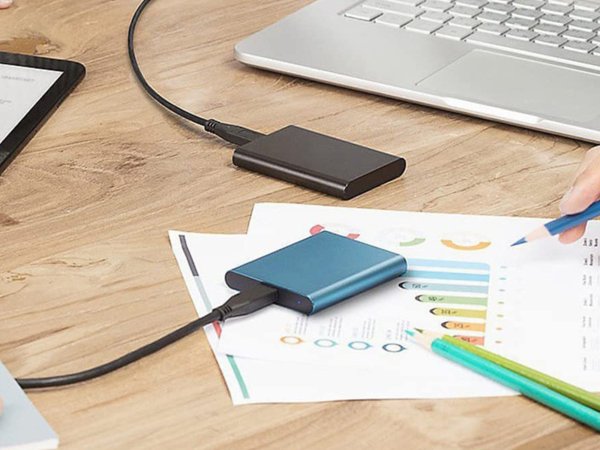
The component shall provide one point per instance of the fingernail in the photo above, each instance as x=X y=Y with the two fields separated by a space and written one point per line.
x=565 y=199
x=5 y=3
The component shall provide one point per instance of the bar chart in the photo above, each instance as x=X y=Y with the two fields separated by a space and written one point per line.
x=454 y=293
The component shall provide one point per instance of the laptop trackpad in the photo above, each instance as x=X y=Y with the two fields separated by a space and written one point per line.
x=513 y=83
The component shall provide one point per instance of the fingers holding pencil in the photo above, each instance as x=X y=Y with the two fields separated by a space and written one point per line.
x=584 y=192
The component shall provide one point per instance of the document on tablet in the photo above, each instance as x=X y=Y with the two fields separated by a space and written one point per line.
x=20 y=89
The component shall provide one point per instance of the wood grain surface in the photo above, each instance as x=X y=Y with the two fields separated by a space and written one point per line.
x=87 y=273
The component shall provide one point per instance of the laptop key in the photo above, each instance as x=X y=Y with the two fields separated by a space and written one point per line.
x=546 y=28
x=392 y=20
x=423 y=26
x=472 y=3
x=551 y=41
x=582 y=14
x=499 y=7
x=586 y=5
x=583 y=25
x=578 y=35
x=435 y=5
x=454 y=33
x=561 y=2
x=528 y=4
x=556 y=9
x=410 y=2
x=435 y=16
x=530 y=14
x=465 y=22
x=554 y=19
x=581 y=47
x=493 y=28
x=520 y=24
x=361 y=13
x=491 y=17
x=464 y=11
x=390 y=7
x=521 y=35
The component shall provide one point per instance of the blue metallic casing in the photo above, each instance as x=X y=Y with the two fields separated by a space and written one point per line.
x=319 y=271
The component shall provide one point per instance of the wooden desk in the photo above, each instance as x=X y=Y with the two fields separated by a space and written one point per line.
x=86 y=271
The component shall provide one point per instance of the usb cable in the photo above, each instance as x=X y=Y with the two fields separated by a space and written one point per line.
x=242 y=304
x=231 y=133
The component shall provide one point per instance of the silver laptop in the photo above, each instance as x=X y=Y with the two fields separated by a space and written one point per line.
x=533 y=63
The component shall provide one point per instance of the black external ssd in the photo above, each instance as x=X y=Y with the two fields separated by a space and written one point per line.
x=319 y=162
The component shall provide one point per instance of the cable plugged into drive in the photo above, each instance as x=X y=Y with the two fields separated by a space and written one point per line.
x=306 y=276
x=310 y=159
x=232 y=133
x=247 y=302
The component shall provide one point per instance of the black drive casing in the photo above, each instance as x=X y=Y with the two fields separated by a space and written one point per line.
x=319 y=162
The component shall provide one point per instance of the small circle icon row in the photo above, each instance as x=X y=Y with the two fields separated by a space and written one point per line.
x=390 y=347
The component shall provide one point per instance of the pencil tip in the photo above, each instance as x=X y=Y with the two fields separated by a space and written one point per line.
x=519 y=242
x=409 y=332
x=420 y=330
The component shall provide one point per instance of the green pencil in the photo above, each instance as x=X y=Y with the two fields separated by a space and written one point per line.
x=568 y=390
x=519 y=383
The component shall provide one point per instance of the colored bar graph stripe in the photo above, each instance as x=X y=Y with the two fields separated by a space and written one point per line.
x=475 y=340
x=231 y=359
x=464 y=326
x=447 y=275
x=453 y=312
x=443 y=287
x=238 y=376
x=451 y=299
x=448 y=264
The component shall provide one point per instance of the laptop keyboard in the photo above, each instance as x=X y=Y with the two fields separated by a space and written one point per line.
x=506 y=24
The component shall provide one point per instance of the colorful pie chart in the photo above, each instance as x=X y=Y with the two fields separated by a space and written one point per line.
x=336 y=228
x=291 y=340
x=466 y=242
x=359 y=345
x=393 y=347
x=325 y=343
x=402 y=237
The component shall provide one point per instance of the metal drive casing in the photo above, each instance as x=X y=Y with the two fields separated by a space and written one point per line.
x=319 y=162
x=319 y=271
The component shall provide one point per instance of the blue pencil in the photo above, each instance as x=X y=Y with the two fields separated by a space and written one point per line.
x=561 y=224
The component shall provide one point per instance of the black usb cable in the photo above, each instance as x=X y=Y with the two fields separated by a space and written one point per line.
x=241 y=304
x=231 y=133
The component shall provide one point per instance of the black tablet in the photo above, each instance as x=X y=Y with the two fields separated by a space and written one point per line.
x=31 y=88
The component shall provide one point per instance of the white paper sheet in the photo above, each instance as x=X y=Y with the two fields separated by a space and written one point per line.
x=204 y=259
x=538 y=303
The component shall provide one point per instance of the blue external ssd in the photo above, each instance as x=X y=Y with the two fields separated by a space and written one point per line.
x=319 y=271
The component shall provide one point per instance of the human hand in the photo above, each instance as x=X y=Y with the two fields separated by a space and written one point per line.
x=584 y=192
x=5 y=3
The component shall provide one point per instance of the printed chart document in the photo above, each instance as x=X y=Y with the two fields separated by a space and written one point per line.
x=204 y=259
x=538 y=303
